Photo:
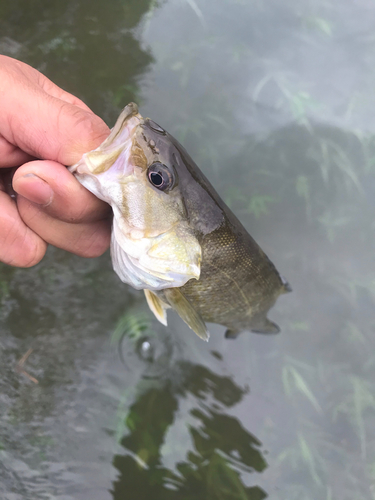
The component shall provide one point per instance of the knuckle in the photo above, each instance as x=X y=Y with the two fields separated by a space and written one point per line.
x=96 y=243
x=20 y=248
x=86 y=124
x=92 y=128
x=87 y=132
x=79 y=212
x=33 y=257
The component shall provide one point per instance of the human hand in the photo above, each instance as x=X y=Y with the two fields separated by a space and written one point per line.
x=40 y=120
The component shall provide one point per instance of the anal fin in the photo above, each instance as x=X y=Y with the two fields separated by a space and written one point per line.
x=187 y=312
x=157 y=306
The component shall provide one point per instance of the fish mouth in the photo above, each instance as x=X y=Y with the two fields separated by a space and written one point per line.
x=119 y=141
x=101 y=168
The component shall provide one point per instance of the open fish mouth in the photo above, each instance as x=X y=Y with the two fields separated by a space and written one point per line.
x=148 y=250
x=112 y=156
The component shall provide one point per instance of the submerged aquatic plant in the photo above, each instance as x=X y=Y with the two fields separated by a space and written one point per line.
x=132 y=324
x=290 y=145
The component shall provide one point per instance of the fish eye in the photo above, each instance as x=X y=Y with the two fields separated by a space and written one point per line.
x=160 y=176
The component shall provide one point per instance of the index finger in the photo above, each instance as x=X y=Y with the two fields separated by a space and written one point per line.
x=51 y=129
x=46 y=126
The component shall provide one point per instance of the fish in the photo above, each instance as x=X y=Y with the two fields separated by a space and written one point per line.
x=172 y=234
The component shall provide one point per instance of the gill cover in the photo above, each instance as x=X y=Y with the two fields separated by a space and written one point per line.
x=152 y=245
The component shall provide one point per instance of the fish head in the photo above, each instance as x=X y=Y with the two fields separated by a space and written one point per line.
x=153 y=245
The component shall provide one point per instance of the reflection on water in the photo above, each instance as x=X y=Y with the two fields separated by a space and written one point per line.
x=274 y=101
x=221 y=448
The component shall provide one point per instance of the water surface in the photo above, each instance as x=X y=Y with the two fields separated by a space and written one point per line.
x=275 y=102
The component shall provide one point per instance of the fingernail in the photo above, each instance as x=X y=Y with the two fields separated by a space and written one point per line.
x=37 y=190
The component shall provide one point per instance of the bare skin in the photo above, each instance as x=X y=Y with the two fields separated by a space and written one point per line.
x=42 y=129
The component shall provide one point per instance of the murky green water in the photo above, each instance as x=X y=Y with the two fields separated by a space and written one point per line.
x=275 y=101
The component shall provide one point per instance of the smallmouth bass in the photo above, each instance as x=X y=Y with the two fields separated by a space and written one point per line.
x=172 y=234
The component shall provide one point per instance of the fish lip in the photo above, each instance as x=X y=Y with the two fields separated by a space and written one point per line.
x=96 y=165
x=115 y=142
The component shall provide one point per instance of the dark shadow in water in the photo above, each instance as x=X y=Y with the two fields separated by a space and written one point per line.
x=88 y=47
x=220 y=446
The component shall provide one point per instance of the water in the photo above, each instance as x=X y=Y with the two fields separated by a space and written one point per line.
x=275 y=102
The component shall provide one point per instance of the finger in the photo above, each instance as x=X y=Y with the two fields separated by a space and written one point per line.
x=51 y=185
x=45 y=126
x=19 y=245
x=48 y=128
x=88 y=239
x=11 y=156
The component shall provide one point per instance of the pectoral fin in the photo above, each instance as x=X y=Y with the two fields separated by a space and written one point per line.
x=157 y=306
x=186 y=312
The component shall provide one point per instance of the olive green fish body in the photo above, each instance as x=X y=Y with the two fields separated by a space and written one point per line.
x=238 y=283
x=173 y=236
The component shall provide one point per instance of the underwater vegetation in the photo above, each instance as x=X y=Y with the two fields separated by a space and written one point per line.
x=274 y=101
